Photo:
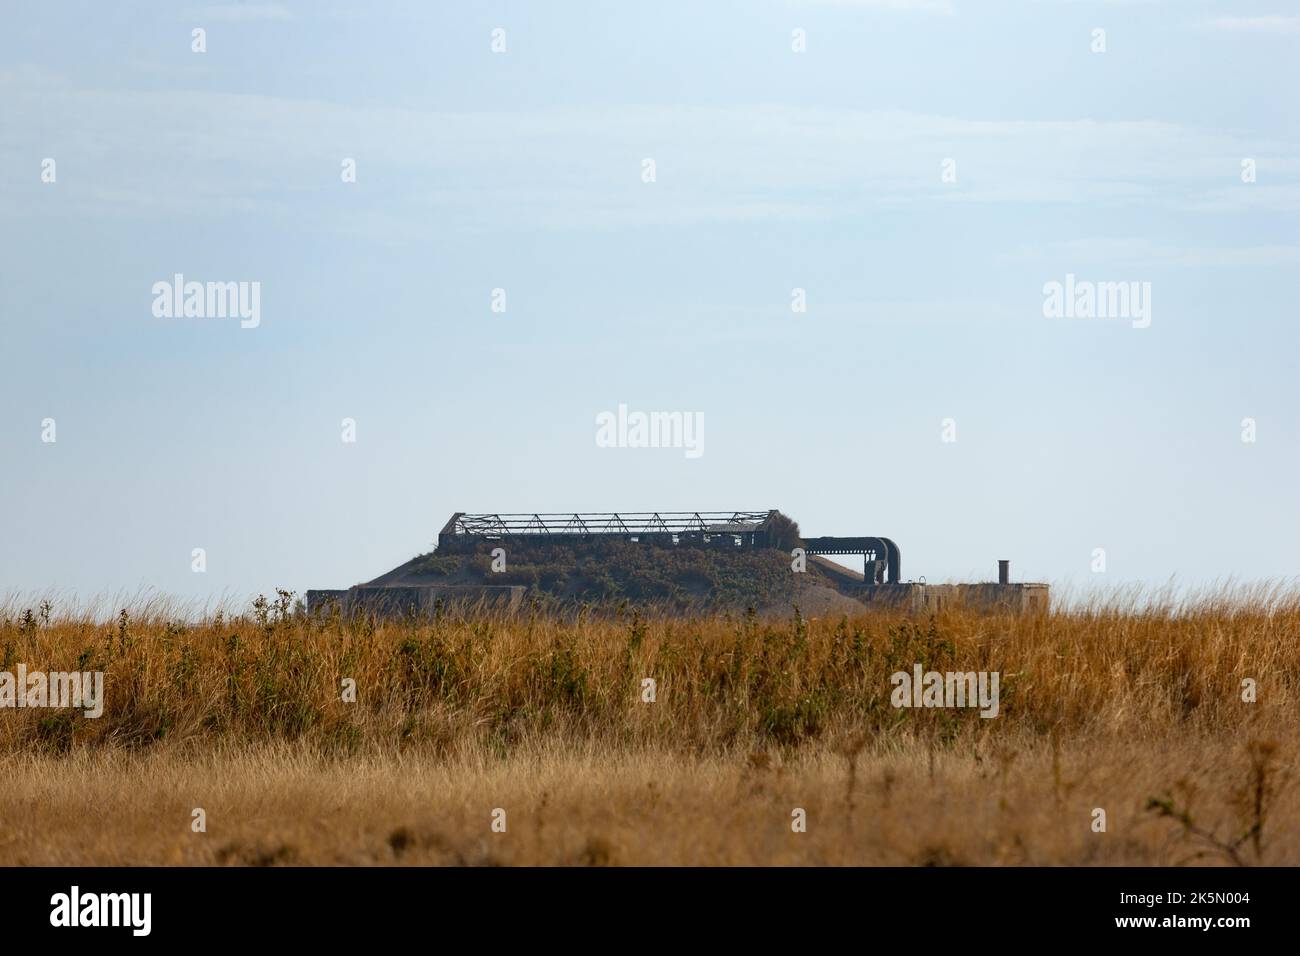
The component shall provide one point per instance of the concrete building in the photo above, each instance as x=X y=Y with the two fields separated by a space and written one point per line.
x=415 y=600
x=407 y=590
x=918 y=597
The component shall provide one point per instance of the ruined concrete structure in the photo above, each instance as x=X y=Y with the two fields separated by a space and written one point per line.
x=882 y=585
x=920 y=598
x=726 y=530
x=418 y=600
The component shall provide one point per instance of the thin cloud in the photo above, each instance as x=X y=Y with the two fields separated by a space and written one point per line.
x=944 y=7
x=580 y=168
x=1271 y=24
x=1144 y=252
x=240 y=12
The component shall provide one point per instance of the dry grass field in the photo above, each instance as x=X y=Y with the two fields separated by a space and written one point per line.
x=1133 y=707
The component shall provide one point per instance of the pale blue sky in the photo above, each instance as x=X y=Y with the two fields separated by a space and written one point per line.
x=522 y=170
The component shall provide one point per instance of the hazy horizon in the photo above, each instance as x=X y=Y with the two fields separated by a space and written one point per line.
x=1171 y=160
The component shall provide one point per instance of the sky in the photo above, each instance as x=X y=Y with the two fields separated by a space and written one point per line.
x=652 y=192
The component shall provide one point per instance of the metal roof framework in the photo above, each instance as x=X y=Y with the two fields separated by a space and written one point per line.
x=882 y=560
x=605 y=522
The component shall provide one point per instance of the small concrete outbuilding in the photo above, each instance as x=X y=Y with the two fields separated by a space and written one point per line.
x=919 y=597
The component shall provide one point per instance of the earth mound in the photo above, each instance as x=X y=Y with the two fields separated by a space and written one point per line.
x=603 y=572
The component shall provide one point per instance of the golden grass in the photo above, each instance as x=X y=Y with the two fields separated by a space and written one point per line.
x=1134 y=707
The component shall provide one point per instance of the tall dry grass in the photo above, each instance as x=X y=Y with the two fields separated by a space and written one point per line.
x=1134 y=706
x=721 y=682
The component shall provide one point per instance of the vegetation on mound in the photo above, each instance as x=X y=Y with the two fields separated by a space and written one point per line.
x=614 y=570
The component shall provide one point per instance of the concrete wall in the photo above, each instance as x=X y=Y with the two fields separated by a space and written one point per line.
x=419 y=600
x=1021 y=598
x=918 y=598
x=913 y=598
x=320 y=599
